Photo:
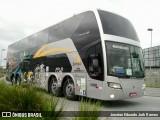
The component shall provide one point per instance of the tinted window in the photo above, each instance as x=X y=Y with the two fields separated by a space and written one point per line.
x=87 y=31
x=116 y=25
x=71 y=25
x=38 y=39
x=60 y=61
x=65 y=29
x=22 y=45
x=94 y=61
x=56 y=33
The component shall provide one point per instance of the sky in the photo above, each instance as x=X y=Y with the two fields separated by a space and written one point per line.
x=21 y=18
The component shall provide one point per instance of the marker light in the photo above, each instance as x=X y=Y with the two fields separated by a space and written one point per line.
x=114 y=85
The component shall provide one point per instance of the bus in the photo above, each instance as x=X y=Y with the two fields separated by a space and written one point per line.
x=95 y=54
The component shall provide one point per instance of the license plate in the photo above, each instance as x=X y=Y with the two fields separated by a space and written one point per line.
x=133 y=94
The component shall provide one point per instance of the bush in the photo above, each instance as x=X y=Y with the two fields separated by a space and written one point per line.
x=88 y=110
x=1 y=75
x=25 y=98
x=18 y=98
x=28 y=98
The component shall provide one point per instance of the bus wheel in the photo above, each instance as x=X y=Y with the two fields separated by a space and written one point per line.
x=18 y=80
x=53 y=87
x=69 y=90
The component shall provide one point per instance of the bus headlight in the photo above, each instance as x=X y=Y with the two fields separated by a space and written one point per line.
x=114 y=85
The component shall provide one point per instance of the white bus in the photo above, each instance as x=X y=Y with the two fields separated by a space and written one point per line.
x=96 y=54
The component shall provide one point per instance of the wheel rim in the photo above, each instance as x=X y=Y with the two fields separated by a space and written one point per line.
x=54 y=87
x=70 y=89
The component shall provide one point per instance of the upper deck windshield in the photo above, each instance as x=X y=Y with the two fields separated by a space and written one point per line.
x=116 y=25
x=124 y=60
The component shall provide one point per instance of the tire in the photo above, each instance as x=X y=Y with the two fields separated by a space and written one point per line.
x=69 y=90
x=53 y=87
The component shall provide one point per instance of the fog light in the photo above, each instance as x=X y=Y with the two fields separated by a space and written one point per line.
x=112 y=96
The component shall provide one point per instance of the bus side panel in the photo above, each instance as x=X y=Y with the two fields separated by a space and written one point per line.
x=86 y=34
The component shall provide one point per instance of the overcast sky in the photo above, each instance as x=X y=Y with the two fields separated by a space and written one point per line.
x=21 y=18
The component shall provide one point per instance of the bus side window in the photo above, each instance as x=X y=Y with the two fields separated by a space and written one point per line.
x=94 y=61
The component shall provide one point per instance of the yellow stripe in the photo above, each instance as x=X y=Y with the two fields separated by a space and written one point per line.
x=78 y=60
x=54 y=50
x=40 y=50
x=44 y=53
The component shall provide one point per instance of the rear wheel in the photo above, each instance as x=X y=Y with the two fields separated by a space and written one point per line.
x=53 y=87
x=69 y=90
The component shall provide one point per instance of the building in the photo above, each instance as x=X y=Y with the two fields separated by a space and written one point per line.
x=152 y=65
x=152 y=56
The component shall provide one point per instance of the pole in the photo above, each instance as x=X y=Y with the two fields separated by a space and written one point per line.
x=151 y=38
x=150 y=29
x=1 y=56
x=1 y=61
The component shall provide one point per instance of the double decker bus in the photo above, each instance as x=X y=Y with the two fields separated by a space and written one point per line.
x=96 y=54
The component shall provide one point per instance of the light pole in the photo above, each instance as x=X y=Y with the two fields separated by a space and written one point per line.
x=1 y=56
x=150 y=29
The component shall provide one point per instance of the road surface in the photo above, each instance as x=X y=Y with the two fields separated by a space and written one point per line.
x=145 y=103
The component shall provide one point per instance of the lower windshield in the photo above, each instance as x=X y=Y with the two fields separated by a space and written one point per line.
x=124 y=60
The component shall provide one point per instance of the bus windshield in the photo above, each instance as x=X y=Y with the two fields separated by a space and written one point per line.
x=124 y=60
x=116 y=25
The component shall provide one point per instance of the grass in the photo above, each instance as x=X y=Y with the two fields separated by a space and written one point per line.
x=18 y=98
x=23 y=98
x=28 y=98
x=88 y=110
x=1 y=74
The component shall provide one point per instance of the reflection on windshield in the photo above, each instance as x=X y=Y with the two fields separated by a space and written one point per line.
x=124 y=60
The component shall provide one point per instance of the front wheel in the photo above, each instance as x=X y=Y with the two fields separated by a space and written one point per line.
x=69 y=90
